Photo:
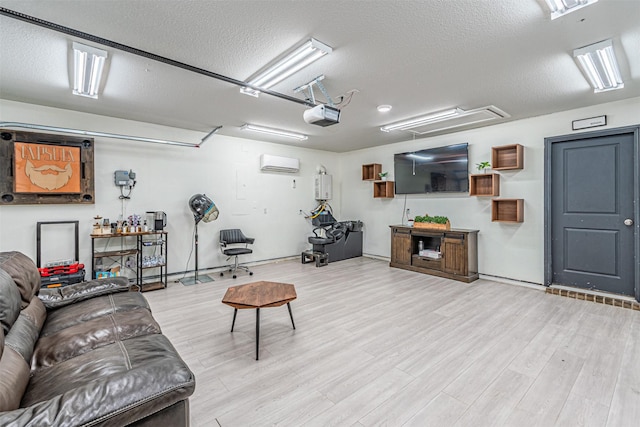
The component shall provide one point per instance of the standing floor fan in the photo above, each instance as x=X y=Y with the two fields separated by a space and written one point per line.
x=205 y=210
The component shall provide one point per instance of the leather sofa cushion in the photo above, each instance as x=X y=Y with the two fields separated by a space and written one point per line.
x=84 y=311
x=15 y=357
x=24 y=333
x=83 y=337
x=9 y=301
x=24 y=273
x=65 y=295
x=14 y=376
x=112 y=385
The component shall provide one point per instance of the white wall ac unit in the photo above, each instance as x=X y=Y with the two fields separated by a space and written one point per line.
x=271 y=163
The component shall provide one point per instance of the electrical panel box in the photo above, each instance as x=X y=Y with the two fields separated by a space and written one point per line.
x=121 y=178
x=323 y=187
x=124 y=178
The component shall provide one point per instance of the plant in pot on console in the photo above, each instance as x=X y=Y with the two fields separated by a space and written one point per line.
x=432 y=222
x=383 y=175
x=483 y=166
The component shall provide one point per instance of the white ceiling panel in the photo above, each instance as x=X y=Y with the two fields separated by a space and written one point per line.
x=418 y=56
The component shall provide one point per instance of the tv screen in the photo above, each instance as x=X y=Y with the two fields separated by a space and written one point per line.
x=434 y=170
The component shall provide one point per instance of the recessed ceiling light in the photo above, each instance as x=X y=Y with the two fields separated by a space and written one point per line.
x=88 y=65
x=384 y=108
x=448 y=119
x=420 y=120
x=598 y=62
x=308 y=52
x=562 y=7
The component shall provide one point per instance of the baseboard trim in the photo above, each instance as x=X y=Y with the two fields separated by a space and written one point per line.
x=179 y=275
x=378 y=257
x=595 y=296
x=523 y=283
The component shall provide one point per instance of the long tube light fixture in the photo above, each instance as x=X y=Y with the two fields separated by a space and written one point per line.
x=305 y=54
x=598 y=63
x=88 y=65
x=424 y=119
x=274 y=132
x=562 y=7
x=19 y=125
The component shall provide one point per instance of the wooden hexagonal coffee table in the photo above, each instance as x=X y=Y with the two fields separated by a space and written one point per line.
x=259 y=295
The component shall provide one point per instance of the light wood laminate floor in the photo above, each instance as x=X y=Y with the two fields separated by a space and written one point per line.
x=377 y=346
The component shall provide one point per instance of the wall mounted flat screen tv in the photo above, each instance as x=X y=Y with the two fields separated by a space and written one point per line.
x=434 y=170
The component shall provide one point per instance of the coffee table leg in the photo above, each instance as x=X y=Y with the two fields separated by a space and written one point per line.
x=257 y=332
x=235 y=311
x=291 y=315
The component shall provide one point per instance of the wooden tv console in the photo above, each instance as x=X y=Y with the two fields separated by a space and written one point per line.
x=458 y=251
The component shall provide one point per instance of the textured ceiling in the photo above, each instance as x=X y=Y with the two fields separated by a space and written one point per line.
x=418 y=56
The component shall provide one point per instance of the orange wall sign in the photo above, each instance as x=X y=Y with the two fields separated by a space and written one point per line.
x=41 y=168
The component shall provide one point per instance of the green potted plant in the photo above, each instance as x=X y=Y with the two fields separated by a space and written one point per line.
x=383 y=175
x=483 y=166
x=432 y=222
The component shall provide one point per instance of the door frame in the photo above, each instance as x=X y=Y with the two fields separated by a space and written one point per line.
x=635 y=130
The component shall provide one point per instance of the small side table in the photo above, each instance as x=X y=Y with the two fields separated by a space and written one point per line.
x=259 y=295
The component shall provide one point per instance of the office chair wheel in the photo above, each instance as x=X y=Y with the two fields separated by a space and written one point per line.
x=251 y=273
x=234 y=276
x=221 y=274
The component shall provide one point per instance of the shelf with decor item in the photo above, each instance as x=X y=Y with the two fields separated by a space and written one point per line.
x=507 y=157
x=371 y=172
x=507 y=210
x=383 y=189
x=152 y=260
x=140 y=256
x=484 y=185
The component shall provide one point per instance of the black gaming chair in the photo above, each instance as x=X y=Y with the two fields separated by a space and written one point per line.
x=231 y=245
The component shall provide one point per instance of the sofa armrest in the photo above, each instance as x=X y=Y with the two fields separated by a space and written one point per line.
x=115 y=385
x=59 y=297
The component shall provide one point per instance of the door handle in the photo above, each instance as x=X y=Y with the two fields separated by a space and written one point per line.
x=628 y=222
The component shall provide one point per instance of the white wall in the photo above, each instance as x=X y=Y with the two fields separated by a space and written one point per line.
x=167 y=177
x=513 y=251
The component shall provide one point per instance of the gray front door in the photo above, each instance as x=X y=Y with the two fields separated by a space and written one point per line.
x=592 y=186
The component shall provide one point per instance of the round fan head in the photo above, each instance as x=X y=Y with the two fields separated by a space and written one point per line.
x=203 y=208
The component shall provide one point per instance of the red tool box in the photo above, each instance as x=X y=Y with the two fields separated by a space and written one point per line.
x=59 y=273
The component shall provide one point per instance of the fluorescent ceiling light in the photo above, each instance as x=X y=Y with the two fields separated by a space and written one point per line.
x=446 y=120
x=308 y=52
x=562 y=7
x=598 y=62
x=420 y=120
x=272 y=131
x=385 y=108
x=88 y=65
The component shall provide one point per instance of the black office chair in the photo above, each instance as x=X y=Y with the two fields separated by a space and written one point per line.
x=231 y=242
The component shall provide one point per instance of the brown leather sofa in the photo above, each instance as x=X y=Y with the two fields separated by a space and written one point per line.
x=83 y=355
